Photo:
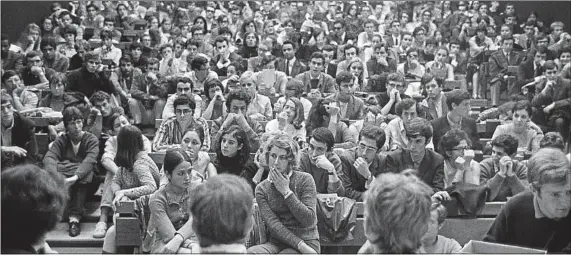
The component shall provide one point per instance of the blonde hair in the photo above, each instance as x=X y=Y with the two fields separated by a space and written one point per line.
x=284 y=141
x=397 y=212
x=548 y=165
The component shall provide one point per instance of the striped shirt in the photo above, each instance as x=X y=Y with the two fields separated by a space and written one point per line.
x=169 y=135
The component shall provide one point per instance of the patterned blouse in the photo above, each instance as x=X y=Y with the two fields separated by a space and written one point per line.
x=169 y=135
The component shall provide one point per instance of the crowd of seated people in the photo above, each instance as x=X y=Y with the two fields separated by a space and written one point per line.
x=277 y=102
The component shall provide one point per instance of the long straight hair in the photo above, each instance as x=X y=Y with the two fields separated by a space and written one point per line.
x=129 y=144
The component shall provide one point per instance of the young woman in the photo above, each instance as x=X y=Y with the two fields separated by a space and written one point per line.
x=521 y=127
x=233 y=152
x=191 y=143
x=290 y=120
x=29 y=40
x=459 y=165
x=439 y=66
x=250 y=46
x=356 y=68
x=289 y=213
x=322 y=114
x=214 y=104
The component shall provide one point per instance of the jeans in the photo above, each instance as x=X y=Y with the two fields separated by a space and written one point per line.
x=75 y=207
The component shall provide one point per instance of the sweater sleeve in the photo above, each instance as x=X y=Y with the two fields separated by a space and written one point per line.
x=488 y=175
x=336 y=187
x=90 y=160
x=54 y=154
x=302 y=203
x=498 y=232
x=346 y=180
x=143 y=173
x=277 y=229
x=518 y=182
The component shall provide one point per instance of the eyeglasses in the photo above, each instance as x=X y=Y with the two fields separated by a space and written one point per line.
x=366 y=148
x=183 y=111
x=460 y=149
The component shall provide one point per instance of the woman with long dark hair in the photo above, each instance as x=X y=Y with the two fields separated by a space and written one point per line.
x=233 y=151
x=250 y=45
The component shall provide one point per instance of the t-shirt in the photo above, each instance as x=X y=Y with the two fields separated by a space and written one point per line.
x=443 y=245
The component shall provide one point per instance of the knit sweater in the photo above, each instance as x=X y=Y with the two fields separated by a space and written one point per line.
x=320 y=175
x=501 y=188
x=516 y=224
x=61 y=154
x=290 y=220
x=142 y=180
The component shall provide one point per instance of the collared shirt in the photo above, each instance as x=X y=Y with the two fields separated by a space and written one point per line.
x=7 y=134
x=261 y=104
x=454 y=125
x=169 y=135
x=113 y=54
x=168 y=111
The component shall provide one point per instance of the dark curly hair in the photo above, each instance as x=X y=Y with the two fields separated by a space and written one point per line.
x=451 y=139
x=239 y=95
x=242 y=138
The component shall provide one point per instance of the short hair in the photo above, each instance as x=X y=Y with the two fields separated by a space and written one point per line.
x=404 y=104
x=348 y=47
x=197 y=62
x=417 y=30
x=173 y=158
x=90 y=55
x=225 y=203
x=33 y=54
x=68 y=29
x=126 y=58
x=135 y=45
x=328 y=47
x=397 y=212
x=286 y=142
x=344 y=76
x=549 y=64
x=82 y=44
x=564 y=50
x=375 y=133
x=318 y=54
x=195 y=28
x=32 y=197
x=507 y=142
x=451 y=139
x=5 y=98
x=523 y=105
x=419 y=126
x=557 y=24
x=152 y=61
x=548 y=166
x=246 y=76
x=297 y=85
x=9 y=74
x=398 y=77
x=239 y=95
x=184 y=100
x=324 y=135
x=552 y=140
x=193 y=41
x=105 y=35
x=289 y=42
x=427 y=77
x=507 y=37
x=542 y=49
x=164 y=46
x=225 y=30
x=220 y=39
x=99 y=96
x=212 y=83
x=129 y=144
x=456 y=97
x=71 y=113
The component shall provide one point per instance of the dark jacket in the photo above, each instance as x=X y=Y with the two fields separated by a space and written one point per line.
x=234 y=58
x=326 y=83
x=440 y=126
x=24 y=137
x=14 y=61
x=298 y=67
x=83 y=81
x=431 y=169
x=353 y=182
x=499 y=64
x=525 y=75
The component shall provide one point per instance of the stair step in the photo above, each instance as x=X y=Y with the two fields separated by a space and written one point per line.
x=78 y=250
x=59 y=237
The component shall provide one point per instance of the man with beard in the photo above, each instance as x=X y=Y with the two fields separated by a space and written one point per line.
x=170 y=133
x=74 y=155
x=362 y=163
x=18 y=138
x=351 y=107
x=123 y=77
x=10 y=60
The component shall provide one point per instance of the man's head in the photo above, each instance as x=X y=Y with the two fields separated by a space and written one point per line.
x=370 y=26
x=34 y=58
x=288 y=49
x=221 y=44
x=557 y=28
x=418 y=133
x=396 y=81
x=68 y=33
x=294 y=88
x=11 y=81
x=126 y=64
x=371 y=140
x=249 y=83
x=109 y=24
x=345 y=84
x=339 y=27
x=225 y=203
x=321 y=141
x=395 y=27
x=529 y=28
x=540 y=55
x=238 y=102
x=550 y=177
x=106 y=38
x=552 y=140
x=329 y=53
x=504 y=145
x=317 y=63
x=432 y=84
x=101 y=101
x=184 y=108
x=5 y=42
x=65 y=18
x=350 y=51
x=565 y=56
x=550 y=69
x=73 y=122
x=92 y=61
x=510 y=8
x=184 y=86
x=387 y=228
x=166 y=51
x=458 y=102
x=412 y=55
x=152 y=65
x=507 y=43
x=406 y=110
x=58 y=83
x=7 y=109
x=419 y=34
x=406 y=40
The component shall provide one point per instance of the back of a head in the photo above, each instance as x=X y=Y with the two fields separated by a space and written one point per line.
x=33 y=202
x=548 y=166
x=222 y=210
x=397 y=212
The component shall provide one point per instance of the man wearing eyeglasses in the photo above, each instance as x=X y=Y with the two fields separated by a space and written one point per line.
x=362 y=163
x=148 y=98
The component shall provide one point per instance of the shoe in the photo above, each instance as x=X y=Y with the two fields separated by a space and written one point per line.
x=100 y=230
x=74 y=229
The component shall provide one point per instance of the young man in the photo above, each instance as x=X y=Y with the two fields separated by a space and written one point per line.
x=499 y=63
x=458 y=103
x=148 y=98
x=381 y=63
x=224 y=58
x=34 y=74
x=90 y=78
x=18 y=138
x=51 y=58
x=505 y=176
x=539 y=218
x=315 y=79
x=200 y=72
x=386 y=101
x=530 y=69
x=74 y=155
x=101 y=103
x=10 y=60
x=406 y=110
x=184 y=86
x=430 y=165
x=320 y=161
x=362 y=163
x=330 y=65
x=350 y=51
x=260 y=108
x=170 y=133
x=351 y=107
x=289 y=64
x=237 y=104
x=136 y=50
x=222 y=193
x=435 y=103
x=23 y=98
x=109 y=53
